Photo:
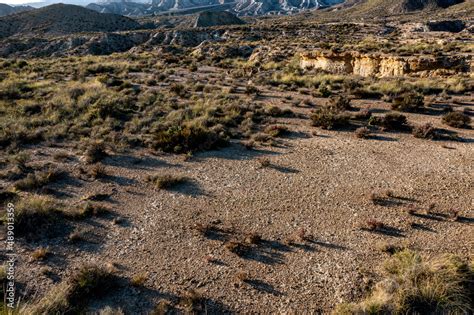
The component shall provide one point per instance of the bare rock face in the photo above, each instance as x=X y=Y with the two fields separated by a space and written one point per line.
x=261 y=7
x=240 y=7
x=216 y=18
x=377 y=65
x=164 y=5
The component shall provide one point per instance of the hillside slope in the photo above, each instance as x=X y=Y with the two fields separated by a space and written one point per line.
x=61 y=19
x=407 y=10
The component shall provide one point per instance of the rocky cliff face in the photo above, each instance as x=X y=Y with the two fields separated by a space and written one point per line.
x=368 y=65
x=240 y=7
x=164 y=5
x=260 y=7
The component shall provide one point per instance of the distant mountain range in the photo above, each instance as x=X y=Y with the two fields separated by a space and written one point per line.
x=238 y=7
x=6 y=9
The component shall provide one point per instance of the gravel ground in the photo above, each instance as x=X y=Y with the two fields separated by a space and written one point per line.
x=318 y=181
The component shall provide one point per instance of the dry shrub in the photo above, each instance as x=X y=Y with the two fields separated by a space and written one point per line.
x=426 y=131
x=457 y=120
x=329 y=118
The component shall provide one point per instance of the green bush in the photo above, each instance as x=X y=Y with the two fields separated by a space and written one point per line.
x=184 y=139
x=408 y=102
x=391 y=121
x=329 y=118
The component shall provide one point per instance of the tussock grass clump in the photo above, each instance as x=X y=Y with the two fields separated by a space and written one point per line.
x=329 y=118
x=457 y=120
x=38 y=179
x=89 y=209
x=97 y=171
x=35 y=215
x=166 y=181
x=363 y=133
x=192 y=301
x=95 y=152
x=71 y=295
x=413 y=285
x=178 y=89
x=138 y=280
x=40 y=253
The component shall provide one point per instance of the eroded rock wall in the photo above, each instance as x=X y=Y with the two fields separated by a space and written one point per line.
x=378 y=65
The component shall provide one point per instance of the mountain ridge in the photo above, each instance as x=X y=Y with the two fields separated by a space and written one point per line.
x=58 y=19
x=6 y=9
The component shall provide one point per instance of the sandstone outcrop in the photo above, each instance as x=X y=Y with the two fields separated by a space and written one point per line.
x=380 y=65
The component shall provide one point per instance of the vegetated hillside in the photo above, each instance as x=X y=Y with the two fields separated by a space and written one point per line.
x=413 y=5
x=407 y=10
x=209 y=18
x=63 y=19
x=6 y=9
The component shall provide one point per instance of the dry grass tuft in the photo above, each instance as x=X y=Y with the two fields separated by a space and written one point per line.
x=166 y=181
x=413 y=285
x=70 y=295
x=40 y=254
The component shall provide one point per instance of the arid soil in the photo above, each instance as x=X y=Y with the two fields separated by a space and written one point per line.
x=310 y=204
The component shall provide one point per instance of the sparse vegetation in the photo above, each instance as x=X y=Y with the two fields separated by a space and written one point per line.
x=408 y=102
x=391 y=121
x=329 y=118
x=363 y=133
x=166 y=181
x=426 y=131
x=95 y=152
x=85 y=116
x=412 y=284
x=457 y=120
x=38 y=179
x=36 y=215
x=74 y=292
x=40 y=253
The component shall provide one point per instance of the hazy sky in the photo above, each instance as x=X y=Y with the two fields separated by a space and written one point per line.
x=20 y=1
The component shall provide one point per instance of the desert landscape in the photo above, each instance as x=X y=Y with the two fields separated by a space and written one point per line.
x=256 y=157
